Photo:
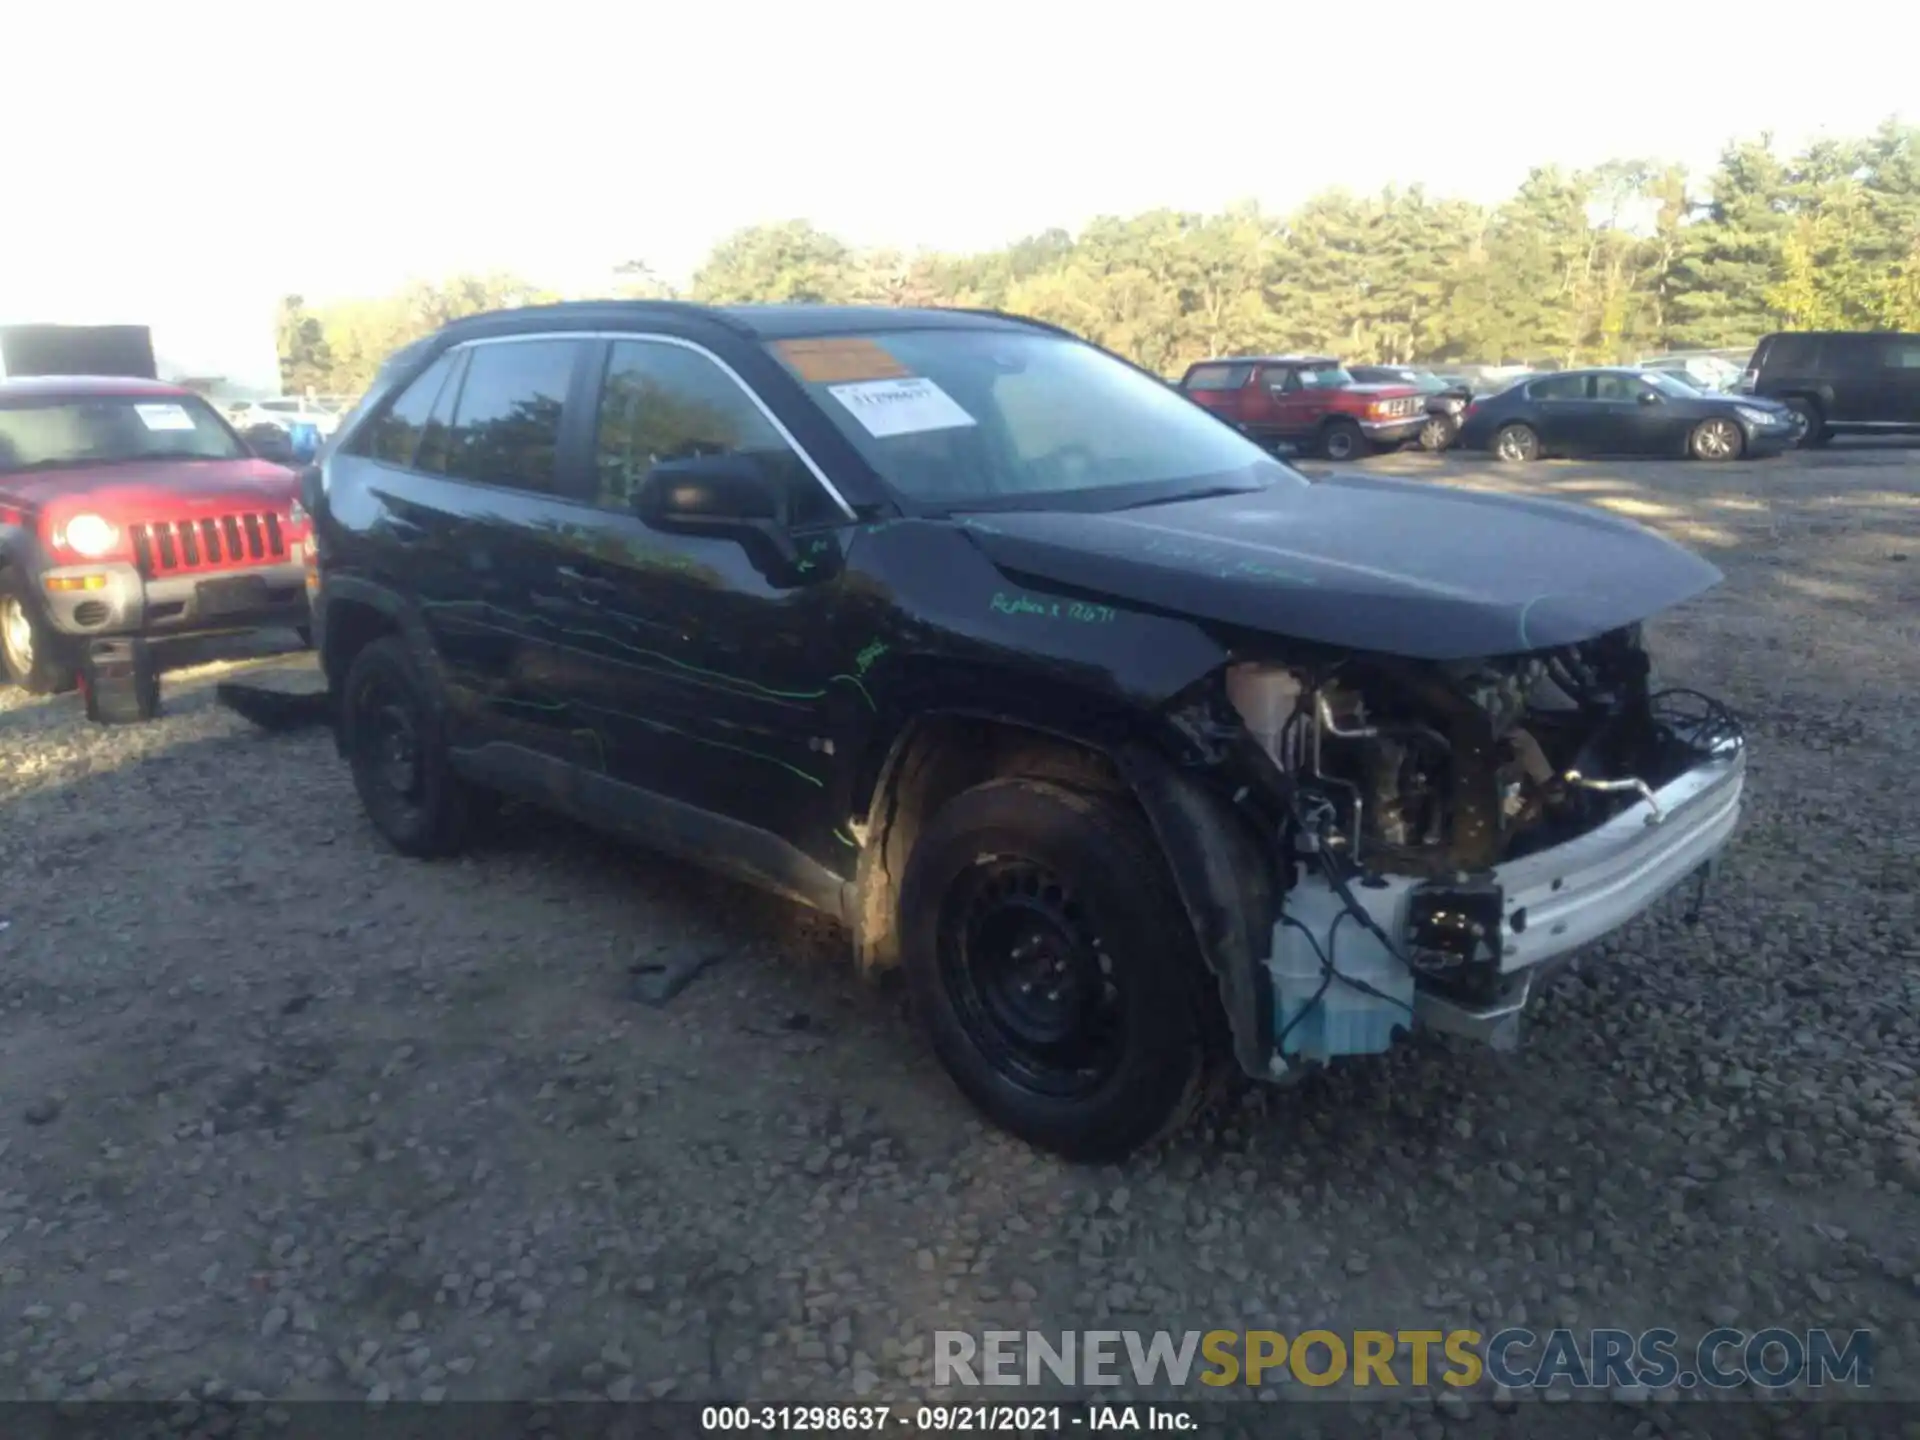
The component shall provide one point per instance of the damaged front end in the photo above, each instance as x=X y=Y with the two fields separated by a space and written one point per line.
x=1446 y=831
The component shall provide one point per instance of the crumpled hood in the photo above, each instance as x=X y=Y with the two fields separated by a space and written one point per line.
x=1396 y=567
x=153 y=490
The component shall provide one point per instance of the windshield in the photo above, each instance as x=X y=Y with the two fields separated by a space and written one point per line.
x=111 y=430
x=1669 y=384
x=982 y=419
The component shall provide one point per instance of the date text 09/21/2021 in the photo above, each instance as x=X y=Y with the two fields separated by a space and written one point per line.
x=944 y=1419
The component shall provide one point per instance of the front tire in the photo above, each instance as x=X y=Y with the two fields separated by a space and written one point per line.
x=1343 y=440
x=1516 y=444
x=1716 y=439
x=1054 y=968
x=391 y=731
x=1438 y=433
x=31 y=654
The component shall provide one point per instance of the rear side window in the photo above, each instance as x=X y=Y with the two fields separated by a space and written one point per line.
x=396 y=434
x=1560 y=387
x=1218 y=377
x=506 y=426
x=1794 y=354
x=1897 y=352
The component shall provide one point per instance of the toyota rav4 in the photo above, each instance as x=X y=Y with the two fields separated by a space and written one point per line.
x=1143 y=756
x=129 y=508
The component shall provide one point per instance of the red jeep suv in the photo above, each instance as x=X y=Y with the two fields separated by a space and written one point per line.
x=130 y=509
x=1306 y=400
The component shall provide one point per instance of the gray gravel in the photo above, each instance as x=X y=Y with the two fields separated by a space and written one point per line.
x=285 y=1115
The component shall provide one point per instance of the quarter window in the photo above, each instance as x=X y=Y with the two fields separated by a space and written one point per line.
x=396 y=434
x=506 y=426
x=1218 y=377
x=664 y=402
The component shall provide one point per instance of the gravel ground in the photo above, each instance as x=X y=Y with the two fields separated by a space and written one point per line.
x=287 y=1115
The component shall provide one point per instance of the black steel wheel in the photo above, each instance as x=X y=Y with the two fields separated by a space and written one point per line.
x=390 y=730
x=1054 y=967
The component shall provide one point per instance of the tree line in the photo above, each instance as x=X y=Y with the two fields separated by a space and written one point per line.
x=1589 y=266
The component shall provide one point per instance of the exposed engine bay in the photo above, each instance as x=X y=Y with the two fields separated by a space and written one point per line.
x=1411 y=796
x=1445 y=768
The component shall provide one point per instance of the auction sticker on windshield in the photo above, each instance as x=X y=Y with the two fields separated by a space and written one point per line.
x=901 y=407
x=164 y=417
x=841 y=359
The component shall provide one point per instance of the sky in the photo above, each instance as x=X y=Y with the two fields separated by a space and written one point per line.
x=203 y=159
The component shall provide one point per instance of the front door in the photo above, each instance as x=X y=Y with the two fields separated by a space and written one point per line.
x=709 y=680
x=1295 y=409
x=1626 y=416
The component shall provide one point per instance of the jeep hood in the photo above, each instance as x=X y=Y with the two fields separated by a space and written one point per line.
x=1395 y=567
x=151 y=489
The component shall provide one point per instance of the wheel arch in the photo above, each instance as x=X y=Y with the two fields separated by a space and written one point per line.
x=1226 y=884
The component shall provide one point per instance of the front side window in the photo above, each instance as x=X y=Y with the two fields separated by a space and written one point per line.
x=661 y=401
x=51 y=433
x=981 y=418
x=506 y=425
x=1617 y=388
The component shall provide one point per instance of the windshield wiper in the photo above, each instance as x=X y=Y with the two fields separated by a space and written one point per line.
x=1210 y=493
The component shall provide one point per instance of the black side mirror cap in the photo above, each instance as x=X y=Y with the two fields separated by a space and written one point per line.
x=730 y=497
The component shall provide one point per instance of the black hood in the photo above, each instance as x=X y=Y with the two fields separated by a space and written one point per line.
x=1396 y=567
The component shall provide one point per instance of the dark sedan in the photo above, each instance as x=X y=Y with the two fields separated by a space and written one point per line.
x=1624 y=412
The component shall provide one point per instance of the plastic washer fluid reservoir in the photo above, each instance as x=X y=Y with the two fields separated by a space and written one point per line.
x=1344 y=1019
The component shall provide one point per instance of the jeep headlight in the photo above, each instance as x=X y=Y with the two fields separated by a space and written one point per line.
x=89 y=536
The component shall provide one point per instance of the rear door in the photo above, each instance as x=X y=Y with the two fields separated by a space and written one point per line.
x=1561 y=412
x=1893 y=387
x=482 y=522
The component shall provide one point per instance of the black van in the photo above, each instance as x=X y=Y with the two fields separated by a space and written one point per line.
x=1841 y=382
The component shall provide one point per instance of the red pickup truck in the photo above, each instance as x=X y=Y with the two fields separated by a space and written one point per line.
x=130 y=509
x=1306 y=400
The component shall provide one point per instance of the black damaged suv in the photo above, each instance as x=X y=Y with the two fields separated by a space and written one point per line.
x=1142 y=755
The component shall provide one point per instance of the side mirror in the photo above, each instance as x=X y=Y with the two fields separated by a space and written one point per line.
x=1650 y=397
x=723 y=496
x=269 y=443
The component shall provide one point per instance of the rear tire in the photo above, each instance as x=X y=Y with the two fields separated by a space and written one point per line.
x=1516 y=443
x=1343 y=440
x=32 y=655
x=1811 y=416
x=1055 y=970
x=391 y=732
